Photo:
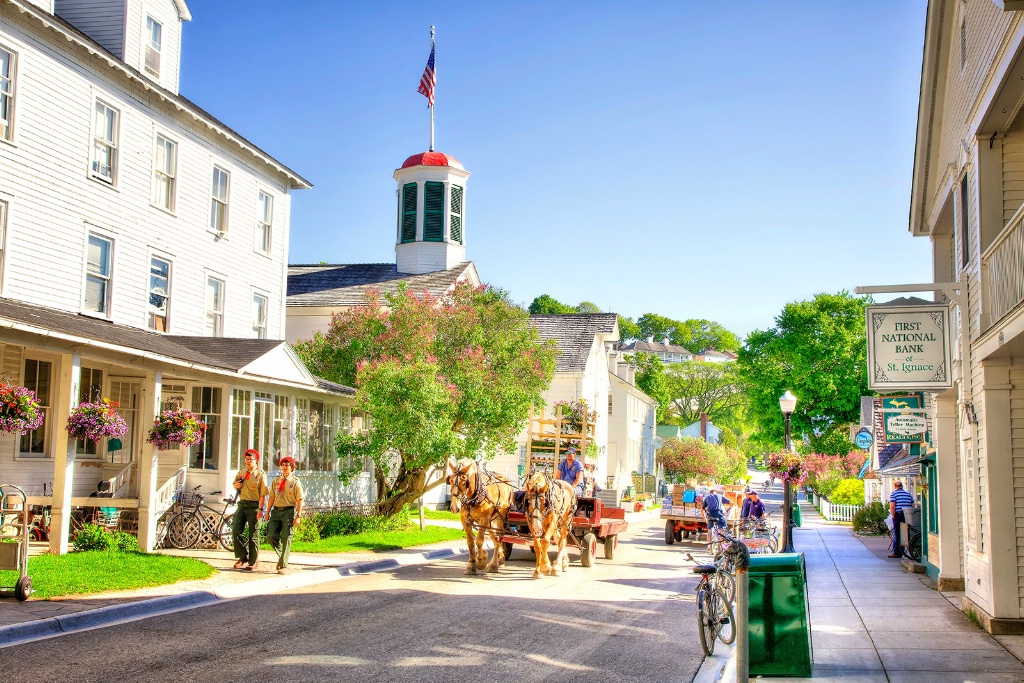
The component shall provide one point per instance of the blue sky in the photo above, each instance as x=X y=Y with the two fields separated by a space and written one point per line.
x=696 y=160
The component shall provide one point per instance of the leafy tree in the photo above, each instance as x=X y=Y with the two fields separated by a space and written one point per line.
x=628 y=330
x=650 y=378
x=700 y=335
x=437 y=378
x=833 y=442
x=588 y=307
x=545 y=304
x=714 y=386
x=818 y=351
x=687 y=458
x=659 y=327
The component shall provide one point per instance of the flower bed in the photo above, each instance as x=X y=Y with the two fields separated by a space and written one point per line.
x=96 y=421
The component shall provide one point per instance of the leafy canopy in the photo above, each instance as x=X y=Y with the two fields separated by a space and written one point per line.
x=696 y=387
x=435 y=378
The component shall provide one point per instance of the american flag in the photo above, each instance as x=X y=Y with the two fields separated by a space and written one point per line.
x=427 y=80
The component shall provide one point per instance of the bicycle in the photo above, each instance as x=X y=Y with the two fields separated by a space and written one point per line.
x=725 y=576
x=913 y=547
x=715 y=617
x=186 y=527
x=757 y=529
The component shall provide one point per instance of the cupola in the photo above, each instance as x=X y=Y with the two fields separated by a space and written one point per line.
x=431 y=213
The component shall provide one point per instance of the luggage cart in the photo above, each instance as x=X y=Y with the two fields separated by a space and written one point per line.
x=14 y=527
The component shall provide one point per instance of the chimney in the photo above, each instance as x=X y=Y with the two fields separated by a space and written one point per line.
x=665 y=341
x=650 y=339
x=704 y=426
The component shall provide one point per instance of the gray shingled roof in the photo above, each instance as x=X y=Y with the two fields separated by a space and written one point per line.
x=345 y=284
x=223 y=353
x=574 y=334
x=653 y=347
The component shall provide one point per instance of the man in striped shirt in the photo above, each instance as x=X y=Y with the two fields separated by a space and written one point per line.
x=898 y=501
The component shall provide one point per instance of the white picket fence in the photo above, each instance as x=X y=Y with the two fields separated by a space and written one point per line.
x=837 y=513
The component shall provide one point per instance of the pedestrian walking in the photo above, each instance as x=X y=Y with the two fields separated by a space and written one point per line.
x=285 y=511
x=251 y=485
x=899 y=500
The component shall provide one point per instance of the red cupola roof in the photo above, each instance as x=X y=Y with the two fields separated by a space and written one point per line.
x=433 y=159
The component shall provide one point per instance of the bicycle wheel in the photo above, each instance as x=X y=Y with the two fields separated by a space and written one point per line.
x=704 y=622
x=727 y=583
x=914 y=545
x=184 y=529
x=724 y=620
x=224 y=533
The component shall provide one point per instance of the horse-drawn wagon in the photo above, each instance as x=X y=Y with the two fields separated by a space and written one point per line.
x=592 y=523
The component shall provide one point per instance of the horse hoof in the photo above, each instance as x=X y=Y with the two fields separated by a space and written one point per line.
x=470 y=571
x=536 y=574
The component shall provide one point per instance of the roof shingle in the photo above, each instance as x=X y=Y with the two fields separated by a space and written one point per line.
x=345 y=284
x=574 y=333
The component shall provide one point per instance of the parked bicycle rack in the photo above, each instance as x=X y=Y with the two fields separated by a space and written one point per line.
x=14 y=527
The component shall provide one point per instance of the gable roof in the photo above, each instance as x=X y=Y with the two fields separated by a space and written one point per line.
x=575 y=334
x=345 y=284
x=653 y=347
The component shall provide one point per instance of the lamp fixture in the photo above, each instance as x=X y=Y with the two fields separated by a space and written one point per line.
x=972 y=416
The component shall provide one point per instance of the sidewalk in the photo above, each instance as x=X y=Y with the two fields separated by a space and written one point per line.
x=34 y=619
x=871 y=621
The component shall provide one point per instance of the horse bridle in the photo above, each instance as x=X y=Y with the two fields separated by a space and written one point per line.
x=479 y=488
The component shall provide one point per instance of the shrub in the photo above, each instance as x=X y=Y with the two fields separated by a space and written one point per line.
x=870 y=519
x=307 y=532
x=125 y=542
x=848 y=492
x=342 y=522
x=93 y=537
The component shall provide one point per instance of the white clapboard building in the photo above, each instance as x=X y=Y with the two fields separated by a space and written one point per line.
x=143 y=258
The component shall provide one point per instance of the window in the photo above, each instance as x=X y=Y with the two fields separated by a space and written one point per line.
x=159 y=294
x=99 y=257
x=165 y=170
x=206 y=404
x=455 y=220
x=219 y=200
x=3 y=237
x=963 y=43
x=214 y=307
x=282 y=425
x=259 y=316
x=104 y=142
x=302 y=432
x=7 y=62
x=37 y=378
x=322 y=429
x=264 y=222
x=965 y=223
x=409 y=197
x=154 y=36
x=90 y=388
x=241 y=424
x=433 y=211
x=609 y=405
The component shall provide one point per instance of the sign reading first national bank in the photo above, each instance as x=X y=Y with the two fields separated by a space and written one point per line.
x=909 y=348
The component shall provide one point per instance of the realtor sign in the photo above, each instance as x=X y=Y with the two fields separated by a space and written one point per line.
x=904 y=419
x=909 y=348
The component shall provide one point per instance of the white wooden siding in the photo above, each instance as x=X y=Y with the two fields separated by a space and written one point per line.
x=166 y=12
x=54 y=201
x=101 y=20
x=1017 y=457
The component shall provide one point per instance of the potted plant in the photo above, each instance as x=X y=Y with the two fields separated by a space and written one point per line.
x=19 y=409
x=96 y=420
x=174 y=428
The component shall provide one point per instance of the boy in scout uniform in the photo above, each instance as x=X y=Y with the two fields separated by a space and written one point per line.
x=251 y=484
x=285 y=509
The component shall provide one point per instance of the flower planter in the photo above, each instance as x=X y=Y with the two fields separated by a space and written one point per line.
x=174 y=428
x=19 y=409
x=96 y=421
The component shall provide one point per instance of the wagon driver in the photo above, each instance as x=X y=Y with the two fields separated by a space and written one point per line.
x=570 y=470
x=252 y=496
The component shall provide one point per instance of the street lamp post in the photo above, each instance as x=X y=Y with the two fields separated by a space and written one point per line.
x=787 y=402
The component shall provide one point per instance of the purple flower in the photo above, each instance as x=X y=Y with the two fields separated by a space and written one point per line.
x=96 y=421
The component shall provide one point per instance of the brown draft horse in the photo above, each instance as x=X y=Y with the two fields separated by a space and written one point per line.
x=483 y=499
x=550 y=504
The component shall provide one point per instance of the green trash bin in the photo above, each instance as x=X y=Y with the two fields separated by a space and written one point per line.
x=630 y=490
x=797 y=517
x=780 y=623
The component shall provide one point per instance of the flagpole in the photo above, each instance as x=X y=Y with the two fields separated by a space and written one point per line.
x=432 y=104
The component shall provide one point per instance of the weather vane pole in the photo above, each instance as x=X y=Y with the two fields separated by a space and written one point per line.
x=427 y=81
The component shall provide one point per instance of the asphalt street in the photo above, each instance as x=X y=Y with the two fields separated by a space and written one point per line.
x=629 y=619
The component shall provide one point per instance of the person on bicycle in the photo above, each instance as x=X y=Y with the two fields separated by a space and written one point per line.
x=251 y=485
x=713 y=508
x=285 y=510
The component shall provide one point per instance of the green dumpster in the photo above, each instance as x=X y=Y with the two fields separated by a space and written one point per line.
x=780 y=624
x=797 y=517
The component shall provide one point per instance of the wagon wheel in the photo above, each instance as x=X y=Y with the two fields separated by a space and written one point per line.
x=23 y=588
x=686 y=533
x=610 y=543
x=670 y=532
x=588 y=549
x=678 y=536
x=507 y=547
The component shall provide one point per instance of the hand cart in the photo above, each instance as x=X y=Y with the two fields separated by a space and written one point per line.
x=14 y=535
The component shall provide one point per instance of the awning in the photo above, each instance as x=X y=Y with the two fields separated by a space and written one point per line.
x=903 y=465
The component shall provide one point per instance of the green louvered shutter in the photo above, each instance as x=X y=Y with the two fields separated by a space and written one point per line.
x=455 y=227
x=409 y=192
x=433 y=212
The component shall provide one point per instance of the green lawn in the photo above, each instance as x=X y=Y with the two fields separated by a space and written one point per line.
x=379 y=540
x=436 y=514
x=97 y=571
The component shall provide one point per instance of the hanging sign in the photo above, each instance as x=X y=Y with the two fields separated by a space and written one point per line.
x=863 y=439
x=909 y=347
x=904 y=419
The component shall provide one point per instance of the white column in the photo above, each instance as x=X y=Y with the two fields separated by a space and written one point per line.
x=68 y=374
x=149 y=460
x=947 y=439
x=224 y=442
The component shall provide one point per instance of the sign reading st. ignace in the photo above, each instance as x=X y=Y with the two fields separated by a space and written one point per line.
x=909 y=348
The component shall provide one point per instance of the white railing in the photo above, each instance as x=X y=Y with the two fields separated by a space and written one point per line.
x=837 y=513
x=119 y=484
x=1002 y=272
x=165 y=494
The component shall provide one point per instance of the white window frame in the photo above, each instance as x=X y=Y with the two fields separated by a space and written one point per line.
x=8 y=93
x=168 y=174
x=215 y=327
x=264 y=222
x=107 y=279
x=5 y=213
x=151 y=310
x=219 y=214
x=148 y=24
x=46 y=407
x=100 y=141
x=259 y=330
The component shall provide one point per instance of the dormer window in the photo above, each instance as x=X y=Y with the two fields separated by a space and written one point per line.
x=154 y=36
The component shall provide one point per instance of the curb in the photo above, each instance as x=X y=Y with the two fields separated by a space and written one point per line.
x=18 y=634
x=718 y=668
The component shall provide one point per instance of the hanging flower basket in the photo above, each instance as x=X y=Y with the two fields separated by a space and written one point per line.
x=19 y=409
x=95 y=421
x=786 y=466
x=174 y=428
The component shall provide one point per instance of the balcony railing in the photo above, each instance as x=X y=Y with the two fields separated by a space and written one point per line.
x=1002 y=272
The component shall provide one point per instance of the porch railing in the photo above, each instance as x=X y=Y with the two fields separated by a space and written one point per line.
x=837 y=513
x=120 y=483
x=165 y=494
x=1002 y=272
